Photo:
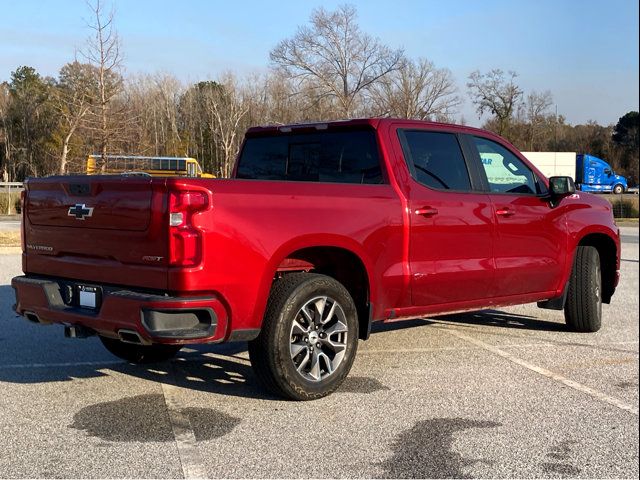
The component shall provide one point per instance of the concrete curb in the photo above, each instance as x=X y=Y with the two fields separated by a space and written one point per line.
x=627 y=223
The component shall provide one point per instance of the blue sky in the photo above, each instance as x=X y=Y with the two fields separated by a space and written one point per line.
x=584 y=52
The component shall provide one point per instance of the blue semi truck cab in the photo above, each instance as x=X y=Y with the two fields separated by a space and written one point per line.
x=595 y=175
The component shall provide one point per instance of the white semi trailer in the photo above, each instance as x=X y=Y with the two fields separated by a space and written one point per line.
x=554 y=164
x=590 y=173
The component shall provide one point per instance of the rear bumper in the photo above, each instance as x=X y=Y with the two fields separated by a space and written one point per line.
x=156 y=318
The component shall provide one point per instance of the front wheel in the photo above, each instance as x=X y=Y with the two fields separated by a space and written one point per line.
x=583 y=309
x=140 y=353
x=618 y=189
x=308 y=339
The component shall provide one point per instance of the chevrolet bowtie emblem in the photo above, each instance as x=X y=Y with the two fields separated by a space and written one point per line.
x=80 y=211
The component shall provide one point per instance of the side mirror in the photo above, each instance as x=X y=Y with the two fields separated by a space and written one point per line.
x=560 y=187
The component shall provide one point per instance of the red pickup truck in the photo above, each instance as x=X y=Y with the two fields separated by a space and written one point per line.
x=323 y=229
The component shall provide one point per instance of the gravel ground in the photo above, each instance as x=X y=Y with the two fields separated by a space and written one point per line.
x=497 y=393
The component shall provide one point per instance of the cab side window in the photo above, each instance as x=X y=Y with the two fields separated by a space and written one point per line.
x=505 y=172
x=435 y=159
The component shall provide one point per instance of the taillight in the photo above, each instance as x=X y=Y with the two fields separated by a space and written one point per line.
x=185 y=240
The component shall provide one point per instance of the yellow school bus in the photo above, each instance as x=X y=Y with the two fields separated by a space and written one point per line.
x=155 y=166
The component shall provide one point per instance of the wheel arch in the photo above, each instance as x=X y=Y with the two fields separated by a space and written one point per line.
x=608 y=252
x=340 y=258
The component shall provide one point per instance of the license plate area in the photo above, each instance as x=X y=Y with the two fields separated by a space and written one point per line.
x=88 y=296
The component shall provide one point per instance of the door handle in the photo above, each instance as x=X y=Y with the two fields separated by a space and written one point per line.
x=427 y=211
x=505 y=212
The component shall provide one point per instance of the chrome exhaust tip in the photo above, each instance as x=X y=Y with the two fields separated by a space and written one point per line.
x=31 y=317
x=131 y=336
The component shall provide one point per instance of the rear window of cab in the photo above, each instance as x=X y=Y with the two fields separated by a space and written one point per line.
x=349 y=156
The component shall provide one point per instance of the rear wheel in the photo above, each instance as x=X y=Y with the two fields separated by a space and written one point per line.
x=308 y=339
x=140 y=353
x=583 y=309
x=618 y=189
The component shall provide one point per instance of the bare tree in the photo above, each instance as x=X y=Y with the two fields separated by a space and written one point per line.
x=492 y=92
x=536 y=109
x=214 y=114
x=226 y=109
x=334 y=58
x=75 y=95
x=103 y=52
x=169 y=90
x=154 y=103
x=5 y=138
x=273 y=99
x=419 y=90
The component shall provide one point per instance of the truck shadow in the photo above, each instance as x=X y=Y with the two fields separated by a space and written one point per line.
x=492 y=318
x=217 y=369
x=497 y=318
x=35 y=354
x=210 y=369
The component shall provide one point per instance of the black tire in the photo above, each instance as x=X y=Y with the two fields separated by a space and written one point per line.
x=140 y=353
x=271 y=353
x=583 y=309
x=618 y=189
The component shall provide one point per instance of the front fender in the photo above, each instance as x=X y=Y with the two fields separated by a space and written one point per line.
x=620 y=180
x=578 y=237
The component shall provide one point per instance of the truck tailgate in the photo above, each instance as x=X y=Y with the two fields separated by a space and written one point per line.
x=107 y=229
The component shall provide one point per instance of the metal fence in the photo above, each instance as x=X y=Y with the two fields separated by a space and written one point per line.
x=624 y=209
x=624 y=205
x=13 y=186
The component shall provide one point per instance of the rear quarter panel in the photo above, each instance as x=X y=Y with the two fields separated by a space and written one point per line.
x=254 y=225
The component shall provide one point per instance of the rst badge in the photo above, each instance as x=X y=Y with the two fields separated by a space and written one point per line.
x=152 y=258
x=80 y=211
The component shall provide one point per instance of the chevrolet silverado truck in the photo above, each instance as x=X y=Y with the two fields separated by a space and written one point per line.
x=323 y=229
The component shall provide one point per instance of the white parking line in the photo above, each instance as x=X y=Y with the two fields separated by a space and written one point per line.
x=190 y=459
x=546 y=373
x=445 y=349
x=461 y=349
x=239 y=359
x=185 y=438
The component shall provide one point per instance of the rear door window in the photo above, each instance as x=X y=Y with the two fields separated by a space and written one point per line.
x=335 y=157
x=435 y=159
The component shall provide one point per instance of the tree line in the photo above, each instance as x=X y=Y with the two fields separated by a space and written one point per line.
x=329 y=69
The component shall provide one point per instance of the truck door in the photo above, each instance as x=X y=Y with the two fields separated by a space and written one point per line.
x=451 y=225
x=595 y=175
x=531 y=240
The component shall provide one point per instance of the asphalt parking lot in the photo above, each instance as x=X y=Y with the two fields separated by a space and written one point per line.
x=502 y=393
